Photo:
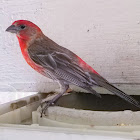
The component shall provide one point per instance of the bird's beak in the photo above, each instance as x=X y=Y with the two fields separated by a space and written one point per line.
x=12 y=29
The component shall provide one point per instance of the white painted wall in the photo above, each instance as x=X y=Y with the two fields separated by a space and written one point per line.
x=106 y=34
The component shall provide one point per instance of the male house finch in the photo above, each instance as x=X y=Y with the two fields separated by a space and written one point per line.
x=59 y=63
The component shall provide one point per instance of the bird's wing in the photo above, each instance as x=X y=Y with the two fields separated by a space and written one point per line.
x=62 y=67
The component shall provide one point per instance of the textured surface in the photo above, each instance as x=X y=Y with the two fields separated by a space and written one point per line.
x=106 y=34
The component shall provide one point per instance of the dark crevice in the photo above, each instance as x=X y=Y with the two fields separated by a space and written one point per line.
x=85 y=101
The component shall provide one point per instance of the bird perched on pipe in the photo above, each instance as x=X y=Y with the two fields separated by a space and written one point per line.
x=58 y=63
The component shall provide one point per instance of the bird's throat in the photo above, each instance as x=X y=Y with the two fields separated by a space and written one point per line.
x=23 y=46
x=23 y=43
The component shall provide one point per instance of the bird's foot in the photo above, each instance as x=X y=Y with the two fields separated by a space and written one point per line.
x=45 y=106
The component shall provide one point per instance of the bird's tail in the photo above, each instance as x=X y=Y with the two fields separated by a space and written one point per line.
x=120 y=93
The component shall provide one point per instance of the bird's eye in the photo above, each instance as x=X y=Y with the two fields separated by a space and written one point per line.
x=22 y=26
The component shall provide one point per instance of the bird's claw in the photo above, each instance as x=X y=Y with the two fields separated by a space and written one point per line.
x=45 y=106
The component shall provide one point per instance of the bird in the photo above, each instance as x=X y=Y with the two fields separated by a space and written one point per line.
x=59 y=63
